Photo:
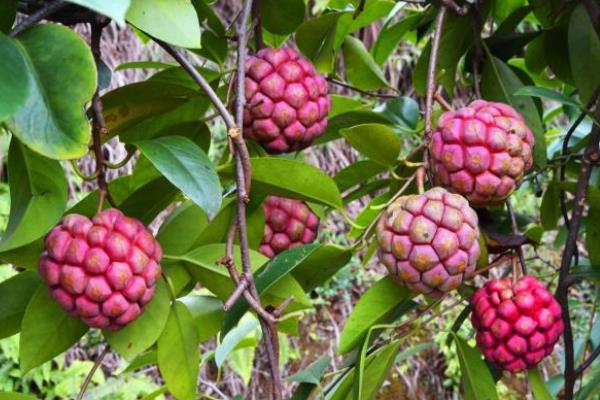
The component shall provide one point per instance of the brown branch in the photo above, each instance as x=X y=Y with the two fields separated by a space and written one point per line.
x=451 y=4
x=44 y=12
x=431 y=85
x=442 y=101
x=590 y=158
x=98 y=123
x=90 y=375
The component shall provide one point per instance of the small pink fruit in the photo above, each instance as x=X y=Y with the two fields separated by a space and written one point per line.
x=286 y=101
x=429 y=242
x=517 y=325
x=481 y=151
x=288 y=223
x=102 y=270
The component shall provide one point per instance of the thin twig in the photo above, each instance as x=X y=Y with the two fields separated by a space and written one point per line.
x=257 y=23
x=431 y=85
x=451 y=4
x=43 y=13
x=99 y=125
x=515 y=231
x=442 y=101
x=357 y=90
x=90 y=375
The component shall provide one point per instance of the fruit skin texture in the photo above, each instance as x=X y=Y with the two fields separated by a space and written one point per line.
x=288 y=223
x=102 y=270
x=429 y=242
x=481 y=151
x=517 y=325
x=286 y=101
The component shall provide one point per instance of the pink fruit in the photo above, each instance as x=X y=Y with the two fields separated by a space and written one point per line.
x=517 y=325
x=288 y=224
x=102 y=270
x=286 y=101
x=429 y=242
x=481 y=151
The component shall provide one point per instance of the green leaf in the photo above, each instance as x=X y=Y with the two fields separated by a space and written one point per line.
x=373 y=10
x=143 y=65
x=361 y=70
x=14 y=82
x=389 y=37
x=375 y=305
x=233 y=339
x=290 y=178
x=181 y=229
x=178 y=353
x=8 y=13
x=15 y=294
x=208 y=314
x=16 y=396
x=38 y=196
x=315 y=38
x=277 y=269
x=207 y=13
x=348 y=120
x=476 y=377
x=357 y=173
x=142 y=333
x=327 y=259
x=183 y=163
x=174 y=21
x=592 y=237
x=309 y=378
x=114 y=9
x=46 y=331
x=497 y=83
x=403 y=110
x=548 y=94
x=52 y=120
x=282 y=17
x=549 y=210
x=378 y=142
x=584 y=53
x=537 y=385
x=26 y=256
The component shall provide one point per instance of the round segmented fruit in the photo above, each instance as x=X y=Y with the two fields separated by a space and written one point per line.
x=429 y=242
x=286 y=101
x=517 y=325
x=288 y=224
x=481 y=151
x=102 y=270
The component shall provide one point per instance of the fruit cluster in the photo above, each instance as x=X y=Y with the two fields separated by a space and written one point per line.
x=102 y=270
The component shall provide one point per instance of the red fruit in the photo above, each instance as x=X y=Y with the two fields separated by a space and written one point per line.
x=288 y=224
x=286 y=101
x=481 y=151
x=429 y=242
x=517 y=325
x=102 y=270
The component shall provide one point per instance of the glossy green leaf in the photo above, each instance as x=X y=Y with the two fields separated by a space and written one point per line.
x=178 y=353
x=592 y=237
x=390 y=35
x=272 y=273
x=348 y=120
x=188 y=167
x=362 y=71
x=38 y=196
x=142 y=333
x=315 y=38
x=584 y=53
x=357 y=173
x=233 y=338
x=282 y=17
x=16 y=396
x=544 y=93
x=497 y=83
x=375 y=305
x=174 y=21
x=143 y=65
x=15 y=294
x=309 y=378
x=402 y=110
x=26 y=256
x=8 y=14
x=477 y=380
x=373 y=10
x=378 y=142
x=206 y=13
x=549 y=210
x=327 y=259
x=140 y=361
x=179 y=231
x=290 y=178
x=14 y=82
x=537 y=384
x=208 y=314
x=114 y=9
x=52 y=120
x=46 y=331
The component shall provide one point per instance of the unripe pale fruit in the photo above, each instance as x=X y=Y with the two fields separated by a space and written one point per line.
x=102 y=270
x=481 y=151
x=429 y=242
x=288 y=224
x=286 y=101
x=517 y=325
